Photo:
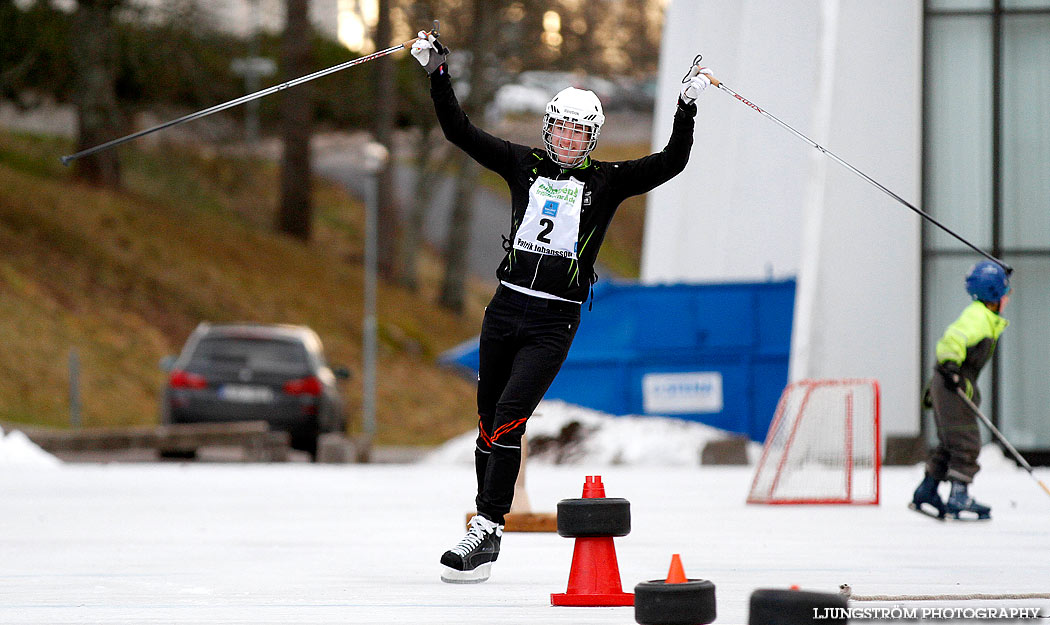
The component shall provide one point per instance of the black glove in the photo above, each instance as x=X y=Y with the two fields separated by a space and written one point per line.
x=951 y=373
x=927 y=399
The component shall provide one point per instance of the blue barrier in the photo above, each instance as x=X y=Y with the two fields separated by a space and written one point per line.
x=713 y=353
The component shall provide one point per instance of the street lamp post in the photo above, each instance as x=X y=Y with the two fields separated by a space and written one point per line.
x=374 y=157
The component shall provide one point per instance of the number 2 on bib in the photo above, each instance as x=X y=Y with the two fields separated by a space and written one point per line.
x=548 y=225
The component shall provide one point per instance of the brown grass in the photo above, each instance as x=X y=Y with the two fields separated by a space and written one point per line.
x=123 y=277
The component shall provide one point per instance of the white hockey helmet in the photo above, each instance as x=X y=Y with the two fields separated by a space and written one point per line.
x=573 y=106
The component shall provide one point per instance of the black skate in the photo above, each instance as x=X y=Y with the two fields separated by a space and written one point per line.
x=470 y=562
x=960 y=501
x=927 y=501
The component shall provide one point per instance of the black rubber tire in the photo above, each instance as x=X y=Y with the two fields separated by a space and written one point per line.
x=794 y=607
x=594 y=517
x=689 y=603
x=305 y=439
x=181 y=454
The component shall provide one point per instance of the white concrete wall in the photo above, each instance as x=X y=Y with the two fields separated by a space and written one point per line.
x=758 y=202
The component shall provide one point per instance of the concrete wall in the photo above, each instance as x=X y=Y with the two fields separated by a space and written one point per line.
x=757 y=202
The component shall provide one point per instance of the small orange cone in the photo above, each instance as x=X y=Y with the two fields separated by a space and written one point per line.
x=676 y=574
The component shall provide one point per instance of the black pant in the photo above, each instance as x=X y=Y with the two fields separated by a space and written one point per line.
x=524 y=341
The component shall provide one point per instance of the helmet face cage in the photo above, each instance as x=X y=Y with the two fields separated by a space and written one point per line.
x=576 y=153
x=987 y=282
x=570 y=111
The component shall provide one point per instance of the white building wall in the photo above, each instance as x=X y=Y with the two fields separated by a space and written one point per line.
x=757 y=202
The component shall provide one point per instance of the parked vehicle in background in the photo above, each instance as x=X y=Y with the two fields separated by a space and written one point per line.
x=256 y=372
x=532 y=90
x=635 y=95
x=515 y=99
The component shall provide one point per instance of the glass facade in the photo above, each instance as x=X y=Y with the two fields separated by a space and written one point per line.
x=986 y=175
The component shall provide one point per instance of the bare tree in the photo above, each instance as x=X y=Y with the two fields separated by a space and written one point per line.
x=385 y=108
x=295 y=213
x=430 y=155
x=482 y=43
x=453 y=285
x=95 y=53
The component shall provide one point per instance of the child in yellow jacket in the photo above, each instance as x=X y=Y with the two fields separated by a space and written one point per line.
x=963 y=350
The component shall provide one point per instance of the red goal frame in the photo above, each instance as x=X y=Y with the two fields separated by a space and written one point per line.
x=808 y=387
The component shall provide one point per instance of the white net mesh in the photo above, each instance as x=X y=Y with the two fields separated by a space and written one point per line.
x=822 y=446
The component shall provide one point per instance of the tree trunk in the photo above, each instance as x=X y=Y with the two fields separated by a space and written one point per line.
x=413 y=236
x=295 y=213
x=95 y=61
x=429 y=154
x=385 y=108
x=481 y=43
x=454 y=284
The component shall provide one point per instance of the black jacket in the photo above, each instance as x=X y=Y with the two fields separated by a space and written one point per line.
x=605 y=186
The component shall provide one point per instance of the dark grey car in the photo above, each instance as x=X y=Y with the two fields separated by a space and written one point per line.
x=255 y=372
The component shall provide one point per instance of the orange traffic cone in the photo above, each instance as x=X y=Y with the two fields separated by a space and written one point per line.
x=676 y=574
x=594 y=577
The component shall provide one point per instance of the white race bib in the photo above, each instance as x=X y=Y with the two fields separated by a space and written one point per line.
x=552 y=220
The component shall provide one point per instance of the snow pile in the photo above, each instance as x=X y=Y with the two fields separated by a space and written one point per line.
x=562 y=433
x=17 y=449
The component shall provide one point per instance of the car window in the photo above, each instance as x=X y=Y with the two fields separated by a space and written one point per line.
x=256 y=354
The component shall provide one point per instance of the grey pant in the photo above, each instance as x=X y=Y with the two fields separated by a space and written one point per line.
x=955 y=456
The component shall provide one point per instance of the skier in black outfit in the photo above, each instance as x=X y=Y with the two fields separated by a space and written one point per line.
x=561 y=204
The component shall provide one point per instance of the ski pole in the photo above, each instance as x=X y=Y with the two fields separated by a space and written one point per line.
x=1002 y=439
x=243 y=99
x=825 y=151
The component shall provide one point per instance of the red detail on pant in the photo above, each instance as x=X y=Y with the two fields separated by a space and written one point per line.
x=481 y=433
x=506 y=427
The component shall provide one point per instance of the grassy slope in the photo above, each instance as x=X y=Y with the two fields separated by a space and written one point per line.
x=123 y=277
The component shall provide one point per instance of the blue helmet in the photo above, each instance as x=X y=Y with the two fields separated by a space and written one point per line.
x=987 y=282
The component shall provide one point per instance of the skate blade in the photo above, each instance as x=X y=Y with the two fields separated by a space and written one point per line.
x=923 y=511
x=478 y=575
x=957 y=517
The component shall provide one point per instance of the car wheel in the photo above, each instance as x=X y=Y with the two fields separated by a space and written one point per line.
x=306 y=440
x=190 y=454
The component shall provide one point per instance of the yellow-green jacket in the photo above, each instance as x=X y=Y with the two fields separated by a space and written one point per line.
x=970 y=340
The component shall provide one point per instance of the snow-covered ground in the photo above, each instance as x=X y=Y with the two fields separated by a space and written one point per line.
x=17 y=449
x=599 y=438
x=296 y=543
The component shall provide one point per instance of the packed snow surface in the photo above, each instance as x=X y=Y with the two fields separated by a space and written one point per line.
x=300 y=543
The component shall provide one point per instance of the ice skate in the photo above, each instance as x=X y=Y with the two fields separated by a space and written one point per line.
x=927 y=501
x=470 y=562
x=960 y=501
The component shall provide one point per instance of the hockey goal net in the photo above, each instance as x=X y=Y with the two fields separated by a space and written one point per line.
x=823 y=445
